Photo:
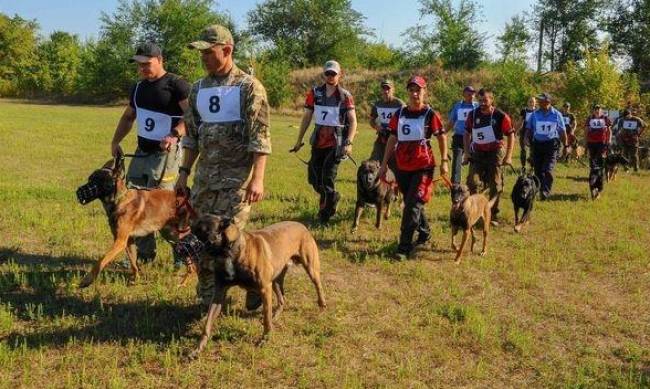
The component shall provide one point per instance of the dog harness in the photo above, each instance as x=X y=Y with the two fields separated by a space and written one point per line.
x=151 y=124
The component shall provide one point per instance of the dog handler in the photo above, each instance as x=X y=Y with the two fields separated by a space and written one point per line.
x=157 y=103
x=381 y=113
x=631 y=128
x=598 y=136
x=229 y=138
x=457 y=119
x=336 y=125
x=545 y=130
x=525 y=115
x=486 y=127
x=411 y=129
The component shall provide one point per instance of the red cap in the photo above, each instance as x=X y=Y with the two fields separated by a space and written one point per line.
x=417 y=80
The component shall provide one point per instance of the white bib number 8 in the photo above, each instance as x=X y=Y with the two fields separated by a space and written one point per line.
x=214 y=106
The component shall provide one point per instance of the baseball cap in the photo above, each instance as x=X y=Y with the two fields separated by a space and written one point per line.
x=567 y=104
x=597 y=106
x=469 y=88
x=544 y=97
x=387 y=82
x=215 y=34
x=332 y=66
x=417 y=80
x=145 y=51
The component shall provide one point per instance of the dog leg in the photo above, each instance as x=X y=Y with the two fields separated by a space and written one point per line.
x=213 y=313
x=454 y=231
x=471 y=249
x=517 y=228
x=310 y=260
x=387 y=213
x=380 y=208
x=462 y=245
x=191 y=269
x=280 y=297
x=357 y=216
x=131 y=253
x=118 y=245
x=486 y=229
x=267 y=312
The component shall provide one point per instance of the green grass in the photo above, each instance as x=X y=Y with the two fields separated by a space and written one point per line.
x=564 y=304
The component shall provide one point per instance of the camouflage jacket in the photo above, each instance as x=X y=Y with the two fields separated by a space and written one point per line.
x=226 y=149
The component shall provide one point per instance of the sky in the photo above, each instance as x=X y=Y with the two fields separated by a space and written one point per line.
x=388 y=18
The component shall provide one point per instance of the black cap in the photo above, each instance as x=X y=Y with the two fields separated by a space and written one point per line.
x=145 y=51
x=469 y=88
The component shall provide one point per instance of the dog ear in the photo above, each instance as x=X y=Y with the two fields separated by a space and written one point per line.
x=118 y=165
x=109 y=164
x=231 y=233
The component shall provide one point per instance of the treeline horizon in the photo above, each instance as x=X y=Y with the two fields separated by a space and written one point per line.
x=576 y=45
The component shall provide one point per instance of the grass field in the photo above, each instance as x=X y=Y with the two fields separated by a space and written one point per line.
x=565 y=304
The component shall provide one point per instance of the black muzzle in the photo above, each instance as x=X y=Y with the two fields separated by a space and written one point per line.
x=88 y=192
x=189 y=247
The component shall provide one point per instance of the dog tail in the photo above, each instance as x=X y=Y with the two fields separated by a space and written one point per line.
x=492 y=201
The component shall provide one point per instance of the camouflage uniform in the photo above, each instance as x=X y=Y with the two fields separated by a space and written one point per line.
x=226 y=150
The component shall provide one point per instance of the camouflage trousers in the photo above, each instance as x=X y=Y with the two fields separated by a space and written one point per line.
x=148 y=171
x=631 y=153
x=223 y=202
x=485 y=173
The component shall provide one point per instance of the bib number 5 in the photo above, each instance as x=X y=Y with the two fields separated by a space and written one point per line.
x=480 y=135
x=149 y=124
x=214 y=106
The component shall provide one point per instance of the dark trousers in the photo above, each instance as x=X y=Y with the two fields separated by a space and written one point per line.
x=522 y=148
x=597 y=152
x=322 y=170
x=457 y=153
x=544 y=160
x=415 y=187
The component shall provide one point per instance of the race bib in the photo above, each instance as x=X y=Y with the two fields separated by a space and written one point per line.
x=597 y=124
x=528 y=116
x=567 y=120
x=152 y=125
x=385 y=114
x=411 y=129
x=462 y=114
x=483 y=135
x=219 y=104
x=630 y=125
x=548 y=129
x=327 y=116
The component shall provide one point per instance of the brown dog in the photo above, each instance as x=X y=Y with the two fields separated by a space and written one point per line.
x=132 y=213
x=372 y=189
x=260 y=260
x=466 y=210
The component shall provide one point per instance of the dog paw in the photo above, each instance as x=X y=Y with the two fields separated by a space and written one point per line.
x=483 y=253
x=86 y=281
x=518 y=228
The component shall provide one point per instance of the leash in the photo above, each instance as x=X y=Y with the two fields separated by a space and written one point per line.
x=512 y=168
x=444 y=179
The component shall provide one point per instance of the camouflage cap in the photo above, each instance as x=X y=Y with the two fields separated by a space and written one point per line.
x=215 y=34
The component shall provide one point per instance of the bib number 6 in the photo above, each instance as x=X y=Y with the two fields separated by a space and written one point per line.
x=149 y=124
x=214 y=106
x=406 y=129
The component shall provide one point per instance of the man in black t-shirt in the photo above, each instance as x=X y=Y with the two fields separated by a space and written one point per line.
x=157 y=103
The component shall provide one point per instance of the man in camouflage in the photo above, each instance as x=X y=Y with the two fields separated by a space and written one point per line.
x=630 y=129
x=228 y=136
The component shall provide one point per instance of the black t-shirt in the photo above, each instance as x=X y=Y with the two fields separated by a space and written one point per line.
x=161 y=95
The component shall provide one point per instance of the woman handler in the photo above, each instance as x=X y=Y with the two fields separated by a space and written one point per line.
x=411 y=129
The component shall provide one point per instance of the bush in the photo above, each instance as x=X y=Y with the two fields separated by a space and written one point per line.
x=273 y=74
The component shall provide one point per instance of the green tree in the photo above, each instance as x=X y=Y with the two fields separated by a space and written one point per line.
x=17 y=52
x=515 y=40
x=57 y=68
x=169 y=23
x=452 y=37
x=570 y=29
x=594 y=80
x=309 y=32
x=629 y=28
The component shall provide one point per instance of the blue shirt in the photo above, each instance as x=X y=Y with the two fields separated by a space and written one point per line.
x=459 y=113
x=546 y=126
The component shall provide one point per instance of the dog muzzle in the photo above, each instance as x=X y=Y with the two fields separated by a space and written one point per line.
x=189 y=247
x=88 y=192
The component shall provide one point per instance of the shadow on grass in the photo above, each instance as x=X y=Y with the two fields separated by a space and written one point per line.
x=144 y=320
x=567 y=197
x=29 y=259
x=578 y=178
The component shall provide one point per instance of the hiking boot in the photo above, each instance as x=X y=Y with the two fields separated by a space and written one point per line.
x=335 y=202
x=423 y=239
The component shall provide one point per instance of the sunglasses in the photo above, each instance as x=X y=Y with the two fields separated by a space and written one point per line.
x=385 y=87
x=330 y=74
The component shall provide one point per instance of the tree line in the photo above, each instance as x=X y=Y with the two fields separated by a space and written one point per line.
x=569 y=37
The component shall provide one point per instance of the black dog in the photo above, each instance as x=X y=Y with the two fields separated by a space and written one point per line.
x=372 y=189
x=523 y=197
x=612 y=162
